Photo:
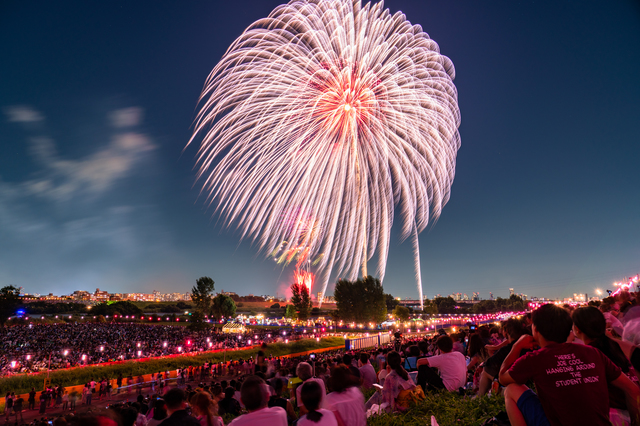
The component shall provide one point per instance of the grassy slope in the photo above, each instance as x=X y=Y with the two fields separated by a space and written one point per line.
x=448 y=408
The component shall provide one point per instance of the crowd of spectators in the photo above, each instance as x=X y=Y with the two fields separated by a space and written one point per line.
x=33 y=348
x=582 y=362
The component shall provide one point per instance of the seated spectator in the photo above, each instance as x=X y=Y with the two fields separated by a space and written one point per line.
x=206 y=409
x=278 y=401
x=477 y=352
x=451 y=365
x=384 y=372
x=458 y=342
x=380 y=358
x=312 y=396
x=512 y=329
x=612 y=322
x=176 y=409
x=410 y=361
x=589 y=325
x=367 y=372
x=303 y=371
x=346 y=401
x=228 y=404
x=347 y=359
x=159 y=413
x=399 y=390
x=477 y=356
x=255 y=395
x=571 y=379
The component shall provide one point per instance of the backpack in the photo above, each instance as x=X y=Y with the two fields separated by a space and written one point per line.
x=408 y=397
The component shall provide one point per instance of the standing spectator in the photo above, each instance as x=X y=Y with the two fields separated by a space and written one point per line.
x=8 y=406
x=73 y=398
x=87 y=394
x=119 y=382
x=312 y=395
x=17 y=408
x=451 y=365
x=563 y=398
x=346 y=401
x=255 y=396
x=32 y=399
x=176 y=409
x=367 y=372
x=304 y=372
x=43 y=402
x=65 y=401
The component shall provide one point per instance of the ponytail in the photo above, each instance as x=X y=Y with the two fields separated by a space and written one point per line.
x=395 y=362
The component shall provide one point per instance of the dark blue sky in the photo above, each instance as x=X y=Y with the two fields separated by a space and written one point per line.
x=97 y=101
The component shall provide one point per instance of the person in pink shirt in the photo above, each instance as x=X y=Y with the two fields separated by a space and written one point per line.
x=255 y=395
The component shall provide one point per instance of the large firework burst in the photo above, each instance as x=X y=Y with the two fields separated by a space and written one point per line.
x=337 y=109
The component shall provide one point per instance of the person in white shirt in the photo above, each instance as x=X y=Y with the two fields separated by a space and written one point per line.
x=346 y=401
x=255 y=395
x=305 y=373
x=312 y=395
x=451 y=365
x=367 y=372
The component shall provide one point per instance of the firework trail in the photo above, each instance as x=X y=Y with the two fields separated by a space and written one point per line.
x=335 y=108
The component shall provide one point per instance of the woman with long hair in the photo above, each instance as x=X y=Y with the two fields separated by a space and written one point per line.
x=477 y=352
x=399 y=389
x=205 y=408
x=589 y=325
x=311 y=395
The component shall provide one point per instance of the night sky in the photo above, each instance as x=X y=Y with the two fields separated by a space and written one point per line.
x=97 y=101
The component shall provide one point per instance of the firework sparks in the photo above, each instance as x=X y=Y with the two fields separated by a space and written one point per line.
x=339 y=109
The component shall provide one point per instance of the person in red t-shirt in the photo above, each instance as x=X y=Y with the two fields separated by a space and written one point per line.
x=571 y=379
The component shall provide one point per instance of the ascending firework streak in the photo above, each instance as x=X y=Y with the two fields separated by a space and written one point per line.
x=334 y=108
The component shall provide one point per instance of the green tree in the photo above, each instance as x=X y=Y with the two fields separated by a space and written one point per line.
x=401 y=312
x=301 y=301
x=290 y=312
x=202 y=294
x=445 y=305
x=361 y=301
x=10 y=301
x=223 y=306
x=122 y=307
x=197 y=322
x=391 y=302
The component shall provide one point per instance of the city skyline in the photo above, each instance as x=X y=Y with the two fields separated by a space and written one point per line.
x=97 y=104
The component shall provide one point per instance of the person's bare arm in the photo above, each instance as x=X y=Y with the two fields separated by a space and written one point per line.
x=632 y=397
x=493 y=348
x=524 y=342
x=472 y=363
x=422 y=361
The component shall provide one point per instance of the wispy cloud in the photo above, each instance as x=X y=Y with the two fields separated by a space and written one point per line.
x=22 y=114
x=126 y=117
x=61 y=178
x=94 y=174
